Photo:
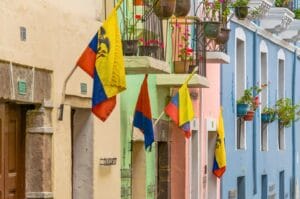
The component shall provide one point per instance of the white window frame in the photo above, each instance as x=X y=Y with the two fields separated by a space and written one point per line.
x=240 y=35
x=264 y=50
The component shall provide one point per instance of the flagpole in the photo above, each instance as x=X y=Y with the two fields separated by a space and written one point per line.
x=61 y=107
x=186 y=81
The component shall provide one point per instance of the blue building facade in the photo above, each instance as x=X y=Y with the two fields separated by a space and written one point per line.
x=262 y=159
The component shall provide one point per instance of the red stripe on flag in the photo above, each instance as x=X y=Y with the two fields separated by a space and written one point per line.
x=172 y=111
x=219 y=172
x=103 y=109
x=87 y=61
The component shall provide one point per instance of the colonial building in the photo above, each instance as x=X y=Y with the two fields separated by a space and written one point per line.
x=262 y=156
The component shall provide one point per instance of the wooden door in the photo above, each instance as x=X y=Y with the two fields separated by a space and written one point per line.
x=163 y=165
x=12 y=147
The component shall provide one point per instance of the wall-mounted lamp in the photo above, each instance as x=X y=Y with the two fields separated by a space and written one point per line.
x=108 y=161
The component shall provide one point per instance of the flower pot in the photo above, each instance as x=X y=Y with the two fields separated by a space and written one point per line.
x=138 y=2
x=164 y=9
x=181 y=67
x=211 y=29
x=267 y=117
x=249 y=116
x=148 y=50
x=241 y=12
x=182 y=8
x=242 y=109
x=223 y=36
x=130 y=47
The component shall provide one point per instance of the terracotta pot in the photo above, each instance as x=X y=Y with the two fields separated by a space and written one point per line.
x=223 y=36
x=182 y=8
x=249 y=116
x=164 y=9
x=241 y=12
x=130 y=47
x=181 y=67
x=138 y=2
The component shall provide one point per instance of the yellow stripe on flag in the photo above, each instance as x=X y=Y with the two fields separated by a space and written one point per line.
x=220 y=151
x=186 y=111
x=109 y=60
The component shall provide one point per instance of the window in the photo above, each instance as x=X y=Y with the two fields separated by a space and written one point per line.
x=241 y=187
x=281 y=185
x=280 y=95
x=23 y=33
x=240 y=87
x=264 y=186
x=264 y=100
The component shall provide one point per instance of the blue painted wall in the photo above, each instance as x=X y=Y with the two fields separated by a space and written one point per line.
x=252 y=162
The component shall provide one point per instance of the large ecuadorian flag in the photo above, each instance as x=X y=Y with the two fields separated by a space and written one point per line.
x=219 y=166
x=103 y=60
x=180 y=109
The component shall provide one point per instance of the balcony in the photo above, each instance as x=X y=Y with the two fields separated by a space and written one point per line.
x=176 y=80
x=292 y=34
x=277 y=20
x=258 y=9
x=142 y=39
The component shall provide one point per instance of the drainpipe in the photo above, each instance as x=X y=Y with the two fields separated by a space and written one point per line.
x=293 y=128
x=254 y=164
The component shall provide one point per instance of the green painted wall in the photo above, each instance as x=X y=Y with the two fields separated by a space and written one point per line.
x=128 y=102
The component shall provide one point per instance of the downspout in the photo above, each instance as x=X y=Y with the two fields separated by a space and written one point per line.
x=255 y=118
x=293 y=128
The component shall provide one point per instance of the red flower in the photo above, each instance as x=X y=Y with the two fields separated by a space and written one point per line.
x=138 y=17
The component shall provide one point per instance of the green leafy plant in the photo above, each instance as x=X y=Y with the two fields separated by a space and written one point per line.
x=268 y=110
x=240 y=3
x=282 y=3
x=251 y=97
x=287 y=111
x=297 y=13
x=269 y=114
x=254 y=13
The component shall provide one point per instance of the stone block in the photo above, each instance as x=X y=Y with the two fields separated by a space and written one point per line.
x=42 y=85
x=5 y=80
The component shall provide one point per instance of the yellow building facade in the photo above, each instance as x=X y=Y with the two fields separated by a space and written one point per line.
x=43 y=156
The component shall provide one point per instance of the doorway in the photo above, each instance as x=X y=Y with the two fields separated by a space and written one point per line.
x=82 y=153
x=12 y=151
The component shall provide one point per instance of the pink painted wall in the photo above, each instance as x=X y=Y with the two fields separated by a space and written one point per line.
x=210 y=106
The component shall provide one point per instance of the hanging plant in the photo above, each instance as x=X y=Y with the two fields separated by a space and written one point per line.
x=182 y=8
x=268 y=115
x=164 y=9
x=287 y=112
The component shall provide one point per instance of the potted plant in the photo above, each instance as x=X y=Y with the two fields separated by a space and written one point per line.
x=129 y=34
x=241 y=8
x=268 y=115
x=182 y=8
x=185 y=54
x=224 y=32
x=248 y=103
x=211 y=23
x=164 y=9
x=286 y=111
x=243 y=103
x=282 y=3
x=149 y=43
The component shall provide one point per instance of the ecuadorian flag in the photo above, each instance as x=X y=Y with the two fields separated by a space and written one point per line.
x=143 y=116
x=180 y=109
x=103 y=60
x=219 y=166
